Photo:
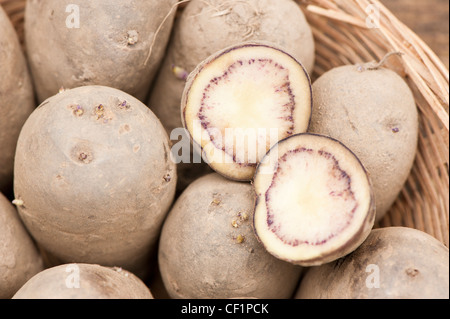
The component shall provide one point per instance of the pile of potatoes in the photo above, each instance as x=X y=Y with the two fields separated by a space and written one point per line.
x=95 y=202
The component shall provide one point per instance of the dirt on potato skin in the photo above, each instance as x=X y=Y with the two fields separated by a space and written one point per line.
x=208 y=248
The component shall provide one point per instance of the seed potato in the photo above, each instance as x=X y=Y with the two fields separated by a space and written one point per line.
x=84 y=281
x=104 y=42
x=95 y=178
x=373 y=112
x=393 y=263
x=19 y=256
x=208 y=248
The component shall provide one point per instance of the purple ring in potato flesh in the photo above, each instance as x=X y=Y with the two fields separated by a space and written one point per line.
x=241 y=101
x=314 y=200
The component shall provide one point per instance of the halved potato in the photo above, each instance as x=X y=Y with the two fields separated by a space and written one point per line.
x=314 y=200
x=241 y=101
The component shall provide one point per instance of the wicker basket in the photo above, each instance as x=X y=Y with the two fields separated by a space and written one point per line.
x=349 y=32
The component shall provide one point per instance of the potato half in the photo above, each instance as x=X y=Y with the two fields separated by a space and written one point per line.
x=241 y=101
x=314 y=200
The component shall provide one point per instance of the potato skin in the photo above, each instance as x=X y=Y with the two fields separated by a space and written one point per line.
x=110 y=47
x=19 y=256
x=207 y=251
x=96 y=183
x=411 y=263
x=95 y=282
x=206 y=27
x=373 y=113
x=16 y=97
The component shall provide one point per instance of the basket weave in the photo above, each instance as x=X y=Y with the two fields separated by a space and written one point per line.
x=344 y=35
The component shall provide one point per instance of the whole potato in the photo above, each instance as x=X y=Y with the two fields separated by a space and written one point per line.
x=16 y=97
x=95 y=178
x=373 y=112
x=208 y=248
x=394 y=262
x=19 y=257
x=84 y=281
x=104 y=42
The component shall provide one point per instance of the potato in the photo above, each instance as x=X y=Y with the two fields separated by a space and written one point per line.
x=84 y=281
x=208 y=248
x=19 y=257
x=94 y=176
x=373 y=112
x=314 y=200
x=394 y=262
x=101 y=42
x=16 y=97
x=241 y=101
x=206 y=27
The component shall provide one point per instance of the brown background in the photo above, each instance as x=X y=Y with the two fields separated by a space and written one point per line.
x=429 y=19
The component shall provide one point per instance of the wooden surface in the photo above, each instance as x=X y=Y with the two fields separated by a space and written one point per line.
x=429 y=19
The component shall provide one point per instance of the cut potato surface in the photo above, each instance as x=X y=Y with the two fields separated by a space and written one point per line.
x=241 y=101
x=314 y=200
